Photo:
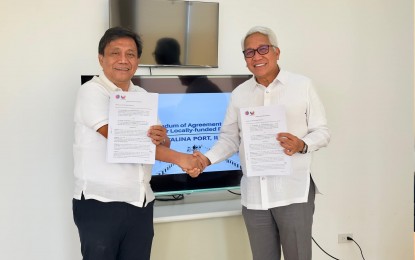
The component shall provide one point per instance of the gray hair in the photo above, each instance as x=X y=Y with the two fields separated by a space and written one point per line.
x=262 y=30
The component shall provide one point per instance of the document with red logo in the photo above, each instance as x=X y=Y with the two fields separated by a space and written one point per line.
x=130 y=116
x=263 y=153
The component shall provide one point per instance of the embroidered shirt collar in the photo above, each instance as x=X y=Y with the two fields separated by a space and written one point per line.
x=111 y=86
x=281 y=78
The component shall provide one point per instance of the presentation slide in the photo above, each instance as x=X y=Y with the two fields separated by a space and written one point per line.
x=193 y=122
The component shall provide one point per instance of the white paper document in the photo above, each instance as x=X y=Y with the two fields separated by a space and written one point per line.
x=130 y=116
x=263 y=153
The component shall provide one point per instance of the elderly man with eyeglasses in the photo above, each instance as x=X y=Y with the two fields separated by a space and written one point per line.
x=277 y=209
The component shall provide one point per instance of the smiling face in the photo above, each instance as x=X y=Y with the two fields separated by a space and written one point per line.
x=264 y=67
x=120 y=61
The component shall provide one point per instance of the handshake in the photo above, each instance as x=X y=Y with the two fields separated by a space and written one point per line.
x=193 y=164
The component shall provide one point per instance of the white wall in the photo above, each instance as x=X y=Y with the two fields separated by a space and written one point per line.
x=359 y=53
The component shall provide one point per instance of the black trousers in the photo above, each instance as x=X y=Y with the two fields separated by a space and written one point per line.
x=113 y=230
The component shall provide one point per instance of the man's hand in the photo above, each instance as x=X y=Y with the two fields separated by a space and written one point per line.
x=203 y=162
x=291 y=143
x=158 y=135
x=191 y=165
x=203 y=159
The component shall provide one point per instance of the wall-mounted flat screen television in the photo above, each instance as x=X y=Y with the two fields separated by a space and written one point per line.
x=192 y=108
x=174 y=32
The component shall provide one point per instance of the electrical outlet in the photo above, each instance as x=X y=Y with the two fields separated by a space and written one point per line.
x=343 y=238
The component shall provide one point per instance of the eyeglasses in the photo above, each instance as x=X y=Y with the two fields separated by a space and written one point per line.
x=262 y=50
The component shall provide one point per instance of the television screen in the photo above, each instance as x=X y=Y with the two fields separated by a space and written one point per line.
x=174 y=33
x=192 y=109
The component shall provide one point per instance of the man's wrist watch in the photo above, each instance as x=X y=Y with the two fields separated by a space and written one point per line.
x=305 y=148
